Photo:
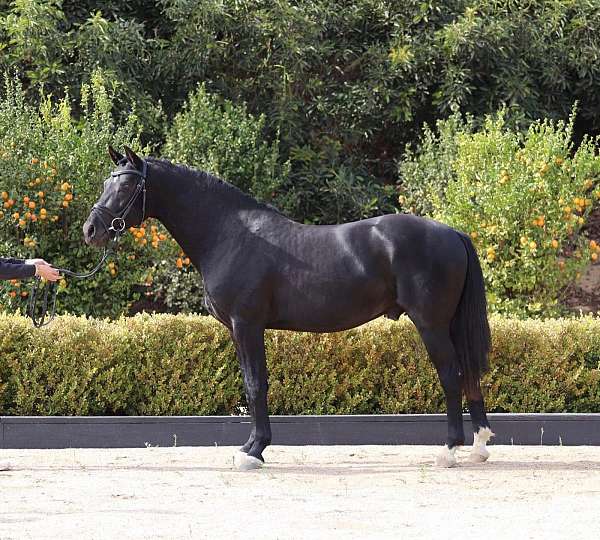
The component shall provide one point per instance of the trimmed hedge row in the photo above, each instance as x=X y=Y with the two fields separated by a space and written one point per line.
x=186 y=365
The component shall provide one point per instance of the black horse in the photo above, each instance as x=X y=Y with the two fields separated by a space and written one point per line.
x=262 y=270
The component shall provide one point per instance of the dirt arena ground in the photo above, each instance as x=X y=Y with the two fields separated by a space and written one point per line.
x=304 y=492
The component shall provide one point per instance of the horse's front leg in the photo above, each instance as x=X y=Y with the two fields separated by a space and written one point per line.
x=250 y=347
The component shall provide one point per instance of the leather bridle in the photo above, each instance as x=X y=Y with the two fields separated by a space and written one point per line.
x=117 y=224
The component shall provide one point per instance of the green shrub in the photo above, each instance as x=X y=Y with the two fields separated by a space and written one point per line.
x=425 y=171
x=217 y=136
x=184 y=365
x=523 y=199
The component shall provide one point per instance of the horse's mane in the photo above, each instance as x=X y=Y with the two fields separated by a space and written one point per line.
x=212 y=182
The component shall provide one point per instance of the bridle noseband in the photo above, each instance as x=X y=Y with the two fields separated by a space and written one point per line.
x=117 y=224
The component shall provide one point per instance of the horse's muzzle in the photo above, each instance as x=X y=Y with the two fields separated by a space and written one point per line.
x=94 y=233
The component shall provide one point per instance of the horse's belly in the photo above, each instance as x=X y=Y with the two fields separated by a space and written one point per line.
x=332 y=308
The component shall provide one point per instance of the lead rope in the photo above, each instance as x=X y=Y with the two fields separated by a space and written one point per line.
x=43 y=318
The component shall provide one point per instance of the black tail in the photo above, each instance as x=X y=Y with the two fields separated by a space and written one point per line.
x=470 y=329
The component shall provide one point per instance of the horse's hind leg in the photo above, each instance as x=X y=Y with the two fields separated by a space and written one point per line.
x=481 y=427
x=250 y=347
x=443 y=355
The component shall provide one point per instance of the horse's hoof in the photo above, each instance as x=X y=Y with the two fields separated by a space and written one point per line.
x=446 y=458
x=244 y=462
x=479 y=455
x=4 y=466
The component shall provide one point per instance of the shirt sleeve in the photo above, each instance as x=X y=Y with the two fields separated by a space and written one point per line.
x=16 y=269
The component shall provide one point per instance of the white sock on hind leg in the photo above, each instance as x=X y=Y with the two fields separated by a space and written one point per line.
x=479 y=452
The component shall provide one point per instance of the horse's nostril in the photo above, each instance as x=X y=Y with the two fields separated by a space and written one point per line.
x=90 y=231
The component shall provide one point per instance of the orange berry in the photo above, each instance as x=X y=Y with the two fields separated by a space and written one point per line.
x=4 y=195
x=25 y=199
x=41 y=194
x=69 y=197
x=179 y=262
x=554 y=244
x=31 y=205
x=34 y=161
x=65 y=204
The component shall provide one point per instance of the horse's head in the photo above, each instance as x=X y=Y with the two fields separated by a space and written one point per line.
x=122 y=203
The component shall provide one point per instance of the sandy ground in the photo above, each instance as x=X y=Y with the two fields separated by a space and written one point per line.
x=304 y=492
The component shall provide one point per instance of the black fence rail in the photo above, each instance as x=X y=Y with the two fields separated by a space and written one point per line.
x=140 y=431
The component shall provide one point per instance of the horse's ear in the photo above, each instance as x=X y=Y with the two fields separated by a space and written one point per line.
x=114 y=155
x=133 y=158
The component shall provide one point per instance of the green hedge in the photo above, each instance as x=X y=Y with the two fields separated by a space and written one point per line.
x=182 y=365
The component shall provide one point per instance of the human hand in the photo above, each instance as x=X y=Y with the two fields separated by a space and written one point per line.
x=44 y=270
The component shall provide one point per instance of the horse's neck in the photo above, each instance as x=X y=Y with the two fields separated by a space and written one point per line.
x=201 y=217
